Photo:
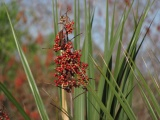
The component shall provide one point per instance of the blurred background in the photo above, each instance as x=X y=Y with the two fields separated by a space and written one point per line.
x=33 y=22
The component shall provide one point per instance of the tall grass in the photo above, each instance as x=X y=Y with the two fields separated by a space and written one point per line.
x=113 y=98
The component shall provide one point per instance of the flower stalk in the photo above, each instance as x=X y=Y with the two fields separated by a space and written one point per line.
x=70 y=71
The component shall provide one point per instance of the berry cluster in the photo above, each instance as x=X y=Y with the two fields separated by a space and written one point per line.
x=70 y=71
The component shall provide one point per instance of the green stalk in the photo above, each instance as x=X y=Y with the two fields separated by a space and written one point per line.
x=31 y=81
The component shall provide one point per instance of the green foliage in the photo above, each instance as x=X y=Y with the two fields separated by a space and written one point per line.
x=14 y=101
x=33 y=86
x=113 y=100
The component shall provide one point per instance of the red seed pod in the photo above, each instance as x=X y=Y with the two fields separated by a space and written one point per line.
x=70 y=71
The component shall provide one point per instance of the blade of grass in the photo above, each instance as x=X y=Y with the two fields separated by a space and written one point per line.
x=125 y=70
x=142 y=91
x=152 y=78
x=138 y=28
x=116 y=69
x=90 y=100
x=78 y=26
x=75 y=25
x=79 y=103
x=118 y=113
x=119 y=95
x=32 y=84
x=108 y=52
x=116 y=89
x=109 y=117
x=155 y=79
x=109 y=98
x=14 y=101
x=54 y=18
x=154 y=101
x=106 y=57
x=145 y=34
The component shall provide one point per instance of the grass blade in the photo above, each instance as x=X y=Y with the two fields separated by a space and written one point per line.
x=119 y=95
x=145 y=86
x=109 y=117
x=14 y=101
x=29 y=75
x=79 y=103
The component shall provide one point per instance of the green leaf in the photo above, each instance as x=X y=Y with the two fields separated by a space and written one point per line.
x=31 y=81
x=14 y=101
x=79 y=103
x=108 y=116
x=119 y=95
x=143 y=83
